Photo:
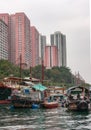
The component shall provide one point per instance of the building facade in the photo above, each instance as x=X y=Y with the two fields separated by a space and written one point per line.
x=59 y=40
x=51 y=57
x=34 y=46
x=20 y=39
x=6 y=18
x=3 y=40
x=42 y=44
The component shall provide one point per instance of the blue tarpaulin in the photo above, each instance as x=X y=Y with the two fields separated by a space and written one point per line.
x=39 y=87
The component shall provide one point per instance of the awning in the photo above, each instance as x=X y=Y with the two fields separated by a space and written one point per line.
x=39 y=87
x=29 y=83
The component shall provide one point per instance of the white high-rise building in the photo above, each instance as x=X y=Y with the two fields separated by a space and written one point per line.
x=43 y=44
x=3 y=40
x=59 y=40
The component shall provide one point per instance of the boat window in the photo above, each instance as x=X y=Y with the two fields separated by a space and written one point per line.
x=26 y=91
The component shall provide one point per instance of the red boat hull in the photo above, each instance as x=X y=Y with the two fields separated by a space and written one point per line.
x=5 y=101
x=50 y=105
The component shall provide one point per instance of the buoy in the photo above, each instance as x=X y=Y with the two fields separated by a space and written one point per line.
x=35 y=106
x=11 y=107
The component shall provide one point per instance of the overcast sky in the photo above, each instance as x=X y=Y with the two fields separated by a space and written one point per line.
x=70 y=17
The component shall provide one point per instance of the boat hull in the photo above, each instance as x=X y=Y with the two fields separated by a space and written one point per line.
x=21 y=103
x=79 y=106
x=24 y=102
x=5 y=101
x=50 y=105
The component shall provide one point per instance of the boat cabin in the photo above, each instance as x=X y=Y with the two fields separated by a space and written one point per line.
x=60 y=97
x=78 y=92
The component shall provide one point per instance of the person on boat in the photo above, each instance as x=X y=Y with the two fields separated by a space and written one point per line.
x=49 y=99
x=78 y=96
x=70 y=97
x=87 y=99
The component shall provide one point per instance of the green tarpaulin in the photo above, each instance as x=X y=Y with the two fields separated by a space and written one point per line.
x=39 y=87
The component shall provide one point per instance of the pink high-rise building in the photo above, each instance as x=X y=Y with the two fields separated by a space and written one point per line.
x=54 y=56
x=20 y=38
x=51 y=56
x=34 y=46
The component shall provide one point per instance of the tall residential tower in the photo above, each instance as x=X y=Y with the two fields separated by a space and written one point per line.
x=34 y=46
x=3 y=40
x=42 y=44
x=51 y=57
x=18 y=37
x=59 y=40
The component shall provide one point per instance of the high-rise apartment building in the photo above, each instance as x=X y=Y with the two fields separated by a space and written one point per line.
x=42 y=44
x=6 y=18
x=25 y=41
x=54 y=56
x=3 y=40
x=59 y=40
x=34 y=46
x=20 y=38
x=51 y=57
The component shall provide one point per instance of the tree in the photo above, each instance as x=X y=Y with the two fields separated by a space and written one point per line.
x=55 y=76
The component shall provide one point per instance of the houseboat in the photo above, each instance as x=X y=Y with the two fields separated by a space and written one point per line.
x=78 y=98
x=28 y=97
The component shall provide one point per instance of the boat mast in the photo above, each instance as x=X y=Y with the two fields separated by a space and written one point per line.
x=20 y=65
x=30 y=73
x=42 y=71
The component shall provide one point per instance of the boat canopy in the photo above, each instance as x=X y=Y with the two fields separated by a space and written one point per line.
x=29 y=83
x=39 y=87
x=77 y=89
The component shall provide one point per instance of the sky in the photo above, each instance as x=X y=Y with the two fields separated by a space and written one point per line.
x=70 y=17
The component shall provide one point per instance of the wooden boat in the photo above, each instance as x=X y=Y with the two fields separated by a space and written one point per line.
x=59 y=97
x=21 y=101
x=78 y=99
x=24 y=102
x=6 y=101
x=51 y=104
x=26 y=98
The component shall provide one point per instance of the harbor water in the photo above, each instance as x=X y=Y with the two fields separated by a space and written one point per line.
x=43 y=119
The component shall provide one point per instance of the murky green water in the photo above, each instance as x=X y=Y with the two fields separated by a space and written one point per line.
x=43 y=119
